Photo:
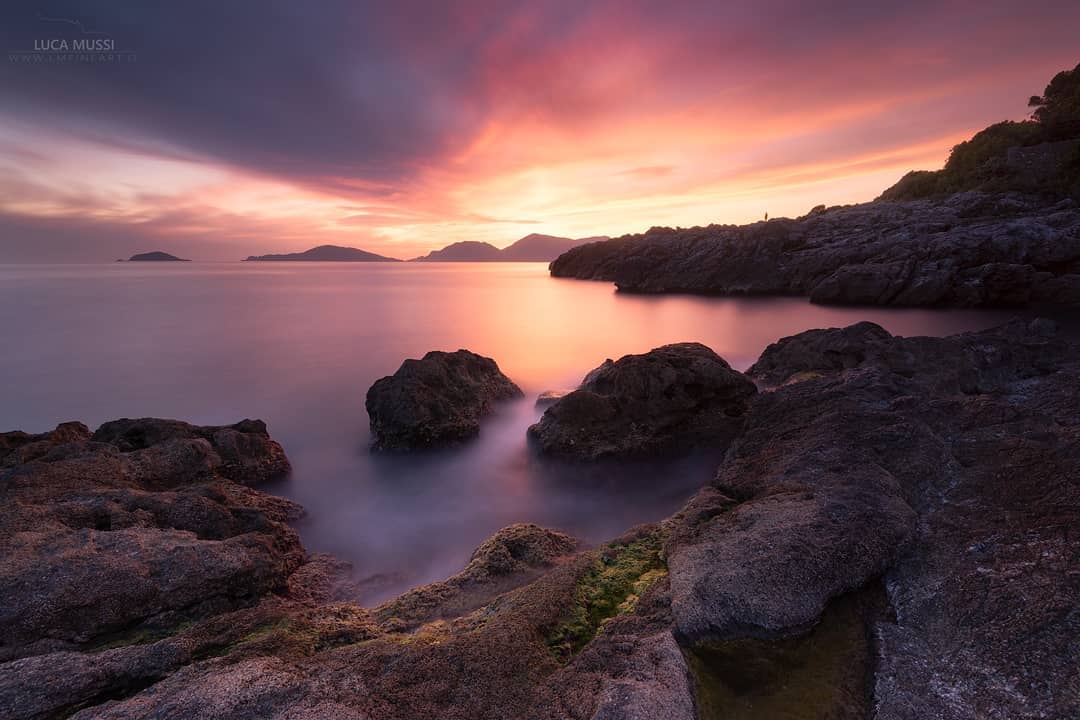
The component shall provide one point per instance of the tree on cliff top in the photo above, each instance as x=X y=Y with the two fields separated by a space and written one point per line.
x=1058 y=108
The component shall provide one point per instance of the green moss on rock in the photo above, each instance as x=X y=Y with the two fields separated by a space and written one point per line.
x=623 y=571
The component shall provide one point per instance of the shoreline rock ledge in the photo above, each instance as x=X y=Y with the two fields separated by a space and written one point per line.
x=672 y=398
x=436 y=401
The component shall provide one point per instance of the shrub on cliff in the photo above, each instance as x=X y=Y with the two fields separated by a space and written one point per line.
x=982 y=162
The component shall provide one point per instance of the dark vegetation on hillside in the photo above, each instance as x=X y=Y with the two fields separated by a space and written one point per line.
x=1038 y=155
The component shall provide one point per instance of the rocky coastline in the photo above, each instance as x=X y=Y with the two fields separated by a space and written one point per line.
x=972 y=249
x=891 y=534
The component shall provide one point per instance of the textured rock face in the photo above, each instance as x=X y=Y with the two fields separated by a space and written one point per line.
x=816 y=353
x=504 y=561
x=672 y=398
x=103 y=534
x=436 y=401
x=245 y=453
x=114 y=542
x=970 y=250
x=947 y=468
x=18 y=447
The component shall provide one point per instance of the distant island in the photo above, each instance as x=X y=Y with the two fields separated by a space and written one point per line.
x=531 y=248
x=543 y=248
x=156 y=256
x=465 y=251
x=326 y=253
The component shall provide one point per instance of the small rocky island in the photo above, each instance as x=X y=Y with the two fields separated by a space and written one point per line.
x=325 y=253
x=887 y=536
x=156 y=256
x=464 y=251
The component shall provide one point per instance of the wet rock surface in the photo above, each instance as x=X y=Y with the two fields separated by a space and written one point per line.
x=890 y=535
x=436 y=401
x=676 y=397
x=973 y=249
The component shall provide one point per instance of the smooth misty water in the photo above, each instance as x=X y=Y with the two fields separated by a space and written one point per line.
x=298 y=345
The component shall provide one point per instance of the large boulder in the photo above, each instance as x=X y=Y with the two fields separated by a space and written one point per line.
x=815 y=353
x=436 y=401
x=965 y=363
x=673 y=398
x=821 y=514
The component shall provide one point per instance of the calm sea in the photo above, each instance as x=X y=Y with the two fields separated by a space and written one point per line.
x=298 y=345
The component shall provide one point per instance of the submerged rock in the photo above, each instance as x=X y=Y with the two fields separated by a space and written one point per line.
x=676 y=397
x=435 y=401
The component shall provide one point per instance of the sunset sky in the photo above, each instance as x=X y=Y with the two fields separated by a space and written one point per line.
x=249 y=127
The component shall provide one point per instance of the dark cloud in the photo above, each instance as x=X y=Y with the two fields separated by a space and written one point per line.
x=339 y=92
x=280 y=88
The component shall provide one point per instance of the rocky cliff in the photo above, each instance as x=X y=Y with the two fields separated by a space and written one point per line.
x=969 y=250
